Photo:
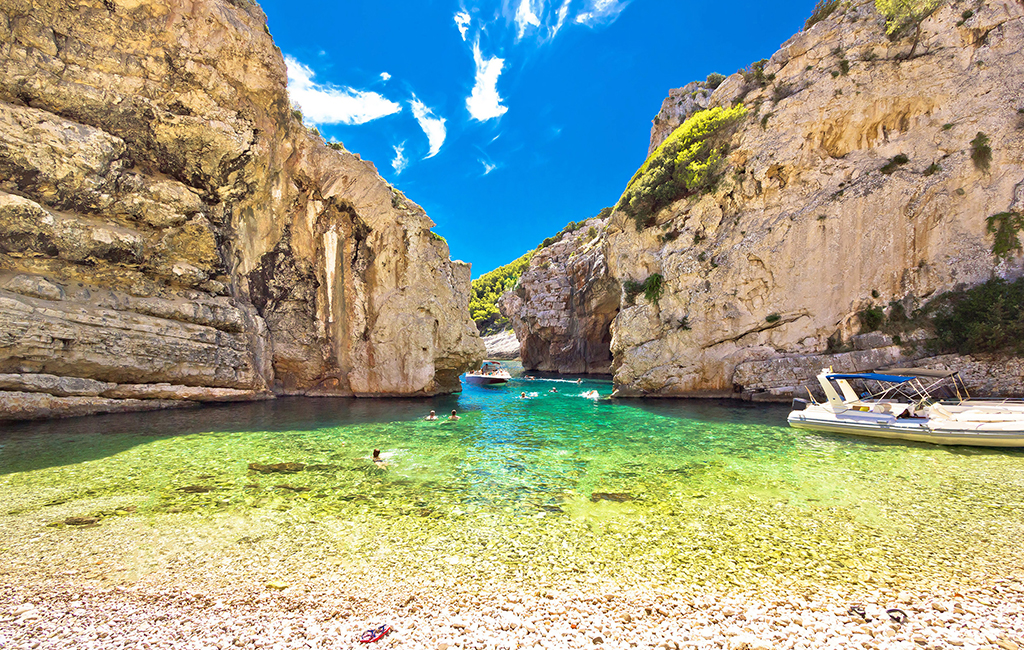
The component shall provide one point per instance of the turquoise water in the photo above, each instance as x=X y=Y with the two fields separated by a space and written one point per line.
x=552 y=487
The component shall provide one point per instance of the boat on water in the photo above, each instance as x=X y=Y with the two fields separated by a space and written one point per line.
x=910 y=404
x=491 y=373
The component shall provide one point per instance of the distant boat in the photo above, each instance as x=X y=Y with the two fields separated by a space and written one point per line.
x=904 y=408
x=491 y=373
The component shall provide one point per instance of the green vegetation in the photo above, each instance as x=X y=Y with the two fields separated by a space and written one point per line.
x=894 y=162
x=932 y=169
x=575 y=225
x=486 y=291
x=1005 y=226
x=985 y=318
x=844 y=67
x=822 y=10
x=871 y=318
x=981 y=153
x=714 y=80
x=686 y=164
x=652 y=288
x=297 y=114
x=337 y=146
x=904 y=16
x=437 y=237
x=772 y=318
x=754 y=75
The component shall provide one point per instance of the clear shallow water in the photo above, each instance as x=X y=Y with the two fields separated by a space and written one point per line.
x=550 y=488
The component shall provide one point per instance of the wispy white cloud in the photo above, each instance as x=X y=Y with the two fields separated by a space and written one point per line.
x=488 y=167
x=462 y=20
x=400 y=162
x=484 y=103
x=385 y=76
x=325 y=104
x=599 y=12
x=432 y=125
x=525 y=17
x=563 y=12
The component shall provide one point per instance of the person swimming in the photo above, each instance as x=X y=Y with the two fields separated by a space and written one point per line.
x=377 y=460
x=554 y=390
x=453 y=416
x=522 y=395
x=432 y=416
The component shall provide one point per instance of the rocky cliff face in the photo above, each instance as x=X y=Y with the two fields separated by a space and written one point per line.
x=564 y=303
x=852 y=184
x=165 y=220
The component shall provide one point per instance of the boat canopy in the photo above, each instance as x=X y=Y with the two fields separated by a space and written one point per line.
x=894 y=379
x=919 y=372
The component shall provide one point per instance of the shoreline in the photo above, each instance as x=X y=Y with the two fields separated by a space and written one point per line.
x=63 y=614
x=283 y=581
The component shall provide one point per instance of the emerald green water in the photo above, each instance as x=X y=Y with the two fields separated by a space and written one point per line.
x=549 y=488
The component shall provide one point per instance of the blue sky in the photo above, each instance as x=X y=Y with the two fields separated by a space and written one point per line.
x=506 y=119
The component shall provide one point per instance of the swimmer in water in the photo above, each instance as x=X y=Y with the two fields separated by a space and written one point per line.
x=554 y=390
x=377 y=460
x=453 y=416
x=432 y=416
x=522 y=395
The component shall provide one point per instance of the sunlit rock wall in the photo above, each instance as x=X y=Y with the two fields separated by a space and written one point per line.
x=806 y=229
x=164 y=219
x=564 y=303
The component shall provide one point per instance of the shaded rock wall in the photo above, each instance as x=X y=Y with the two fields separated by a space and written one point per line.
x=564 y=303
x=806 y=229
x=165 y=220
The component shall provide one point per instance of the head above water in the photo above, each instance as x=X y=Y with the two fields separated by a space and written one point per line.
x=453 y=411
x=376 y=453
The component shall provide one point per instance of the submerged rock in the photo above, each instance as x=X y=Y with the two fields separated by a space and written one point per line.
x=282 y=468
x=618 y=497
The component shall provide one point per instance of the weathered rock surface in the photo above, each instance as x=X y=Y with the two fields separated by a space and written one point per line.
x=805 y=230
x=503 y=345
x=165 y=220
x=564 y=304
x=680 y=104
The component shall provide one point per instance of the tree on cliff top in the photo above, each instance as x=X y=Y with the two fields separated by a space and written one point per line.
x=486 y=291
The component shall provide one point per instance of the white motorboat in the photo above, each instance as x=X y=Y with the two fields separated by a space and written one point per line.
x=491 y=373
x=902 y=407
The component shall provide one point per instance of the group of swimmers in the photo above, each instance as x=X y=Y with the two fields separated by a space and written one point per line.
x=433 y=416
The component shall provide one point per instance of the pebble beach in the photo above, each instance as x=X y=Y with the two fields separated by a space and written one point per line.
x=77 y=588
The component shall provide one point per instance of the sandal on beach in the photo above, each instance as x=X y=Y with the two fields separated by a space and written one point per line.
x=897 y=615
x=375 y=634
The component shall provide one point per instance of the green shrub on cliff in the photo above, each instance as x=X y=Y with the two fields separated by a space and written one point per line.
x=486 y=291
x=822 y=10
x=904 y=16
x=985 y=318
x=688 y=162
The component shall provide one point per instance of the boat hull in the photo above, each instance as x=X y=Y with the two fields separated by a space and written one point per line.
x=485 y=380
x=982 y=434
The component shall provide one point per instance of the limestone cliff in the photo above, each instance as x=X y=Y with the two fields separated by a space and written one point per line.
x=564 y=303
x=165 y=221
x=857 y=180
x=851 y=185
